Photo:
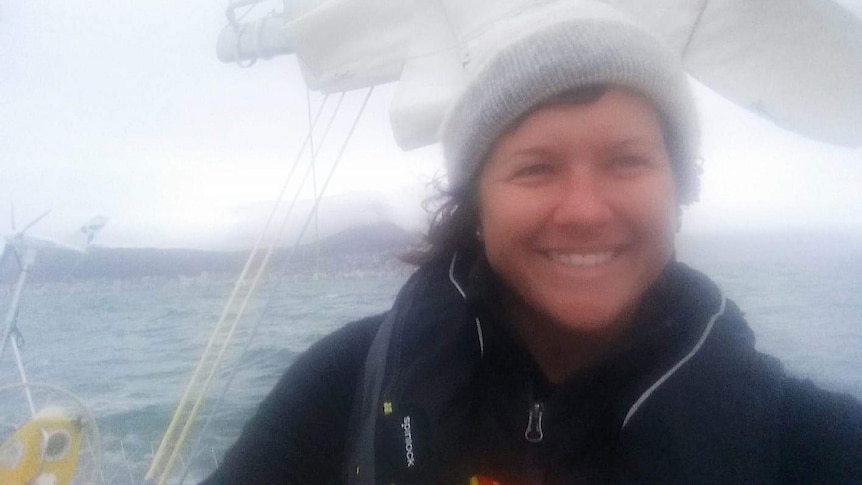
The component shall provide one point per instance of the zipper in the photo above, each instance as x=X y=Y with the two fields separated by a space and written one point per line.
x=534 y=433
x=533 y=471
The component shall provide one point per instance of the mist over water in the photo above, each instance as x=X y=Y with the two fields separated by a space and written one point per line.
x=127 y=347
x=801 y=293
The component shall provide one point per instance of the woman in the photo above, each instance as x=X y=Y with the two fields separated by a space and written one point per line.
x=549 y=336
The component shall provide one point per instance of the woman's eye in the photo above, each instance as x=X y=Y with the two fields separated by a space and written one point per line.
x=629 y=164
x=535 y=169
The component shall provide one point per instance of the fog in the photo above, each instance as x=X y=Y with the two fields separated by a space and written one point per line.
x=122 y=109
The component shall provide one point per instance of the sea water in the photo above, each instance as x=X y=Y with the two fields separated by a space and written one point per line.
x=126 y=348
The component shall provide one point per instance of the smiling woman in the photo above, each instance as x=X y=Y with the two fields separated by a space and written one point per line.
x=549 y=335
x=577 y=212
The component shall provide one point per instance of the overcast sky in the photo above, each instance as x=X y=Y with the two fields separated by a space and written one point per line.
x=121 y=108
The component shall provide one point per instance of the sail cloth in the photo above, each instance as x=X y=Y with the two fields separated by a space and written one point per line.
x=796 y=62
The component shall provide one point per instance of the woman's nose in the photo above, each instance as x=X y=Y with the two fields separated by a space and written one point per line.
x=581 y=200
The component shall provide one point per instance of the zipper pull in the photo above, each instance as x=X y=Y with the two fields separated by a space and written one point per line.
x=534 y=433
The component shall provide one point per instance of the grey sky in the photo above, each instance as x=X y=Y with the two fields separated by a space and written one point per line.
x=122 y=108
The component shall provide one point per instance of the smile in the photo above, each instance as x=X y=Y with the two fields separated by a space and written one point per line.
x=588 y=260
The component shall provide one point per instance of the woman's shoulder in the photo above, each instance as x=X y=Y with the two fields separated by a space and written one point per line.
x=298 y=433
x=331 y=366
x=821 y=434
x=346 y=346
x=326 y=373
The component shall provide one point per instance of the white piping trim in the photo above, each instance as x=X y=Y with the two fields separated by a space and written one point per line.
x=661 y=380
x=481 y=337
x=452 y=276
x=479 y=333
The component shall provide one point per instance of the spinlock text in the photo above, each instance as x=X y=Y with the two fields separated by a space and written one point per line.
x=408 y=442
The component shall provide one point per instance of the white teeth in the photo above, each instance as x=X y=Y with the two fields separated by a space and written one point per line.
x=583 y=260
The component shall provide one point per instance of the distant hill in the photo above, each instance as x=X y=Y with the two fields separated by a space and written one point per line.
x=362 y=248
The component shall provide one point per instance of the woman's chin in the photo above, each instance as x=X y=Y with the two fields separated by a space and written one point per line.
x=587 y=314
x=591 y=324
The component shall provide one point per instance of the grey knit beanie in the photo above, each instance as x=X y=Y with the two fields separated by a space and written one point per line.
x=561 y=56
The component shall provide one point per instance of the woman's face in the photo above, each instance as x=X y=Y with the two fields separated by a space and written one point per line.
x=577 y=210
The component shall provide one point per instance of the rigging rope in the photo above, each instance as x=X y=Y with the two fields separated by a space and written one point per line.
x=272 y=247
x=314 y=187
x=171 y=444
x=274 y=289
x=694 y=27
x=177 y=444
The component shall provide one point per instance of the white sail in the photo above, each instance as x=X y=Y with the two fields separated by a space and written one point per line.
x=796 y=62
x=765 y=55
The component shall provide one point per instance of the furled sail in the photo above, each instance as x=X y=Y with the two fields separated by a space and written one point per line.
x=797 y=62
